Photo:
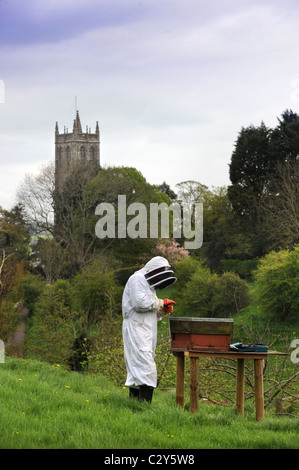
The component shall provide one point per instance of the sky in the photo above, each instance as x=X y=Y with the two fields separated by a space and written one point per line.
x=170 y=82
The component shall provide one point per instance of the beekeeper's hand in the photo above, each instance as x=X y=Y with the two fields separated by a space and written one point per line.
x=168 y=305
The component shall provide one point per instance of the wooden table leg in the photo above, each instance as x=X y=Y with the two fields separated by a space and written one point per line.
x=180 y=378
x=259 y=389
x=194 y=384
x=240 y=386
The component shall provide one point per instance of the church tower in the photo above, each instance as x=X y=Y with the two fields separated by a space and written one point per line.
x=75 y=148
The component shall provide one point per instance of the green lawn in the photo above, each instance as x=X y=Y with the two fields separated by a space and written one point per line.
x=44 y=406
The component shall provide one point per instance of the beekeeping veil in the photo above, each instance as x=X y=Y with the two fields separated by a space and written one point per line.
x=158 y=273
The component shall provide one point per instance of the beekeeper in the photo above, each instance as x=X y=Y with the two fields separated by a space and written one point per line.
x=141 y=311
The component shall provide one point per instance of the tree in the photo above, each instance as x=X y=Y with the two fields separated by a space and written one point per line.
x=75 y=203
x=51 y=258
x=165 y=188
x=171 y=250
x=191 y=192
x=278 y=211
x=284 y=139
x=223 y=237
x=249 y=170
x=74 y=210
x=14 y=252
x=36 y=196
x=277 y=284
x=14 y=235
x=106 y=187
x=260 y=156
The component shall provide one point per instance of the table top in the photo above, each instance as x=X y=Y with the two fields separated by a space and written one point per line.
x=230 y=354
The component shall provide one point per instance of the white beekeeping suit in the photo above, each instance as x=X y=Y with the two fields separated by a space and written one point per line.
x=141 y=311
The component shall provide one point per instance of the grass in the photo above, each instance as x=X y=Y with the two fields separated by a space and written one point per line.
x=47 y=407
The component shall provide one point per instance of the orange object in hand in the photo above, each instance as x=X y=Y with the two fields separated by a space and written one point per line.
x=168 y=305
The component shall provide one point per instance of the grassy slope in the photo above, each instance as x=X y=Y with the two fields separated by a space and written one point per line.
x=43 y=406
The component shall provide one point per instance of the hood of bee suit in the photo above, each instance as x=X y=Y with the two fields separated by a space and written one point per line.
x=158 y=273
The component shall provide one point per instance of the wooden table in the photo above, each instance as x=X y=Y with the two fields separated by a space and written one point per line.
x=240 y=382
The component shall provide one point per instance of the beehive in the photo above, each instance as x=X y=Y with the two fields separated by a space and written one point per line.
x=200 y=334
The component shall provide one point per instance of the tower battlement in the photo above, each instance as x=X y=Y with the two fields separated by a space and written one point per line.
x=74 y=148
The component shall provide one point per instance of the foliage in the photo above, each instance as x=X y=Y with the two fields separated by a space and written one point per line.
x=74 y=210
x=244 y=268
x=14 y=252
x=232 y=294
x=184 y=271
x=165 y=188
x=277 y=282
x=96 y=293
x=122 y=275
x=9 y=318
x=14 y=235
x=51 y=336
x=106 y=354
x=105 y=188
x=278 y=210
x=31 y=287
x=208 y=294
x=171 y=250
x=264 y=184
x=51 y=258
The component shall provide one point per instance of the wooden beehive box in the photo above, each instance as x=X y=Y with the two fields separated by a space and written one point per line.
x=201 y=334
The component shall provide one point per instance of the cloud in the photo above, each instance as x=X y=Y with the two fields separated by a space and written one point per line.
x=170 y=82
x=33 y=21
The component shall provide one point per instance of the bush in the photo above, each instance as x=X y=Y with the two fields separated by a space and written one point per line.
x=232 y=294
x=207 y=294
x=244 y=268
x=184 y=270
x=51 y=335
x=31 y=287
x=96 y=293
x=122 y=275
x=198 y=294
x=277 y=284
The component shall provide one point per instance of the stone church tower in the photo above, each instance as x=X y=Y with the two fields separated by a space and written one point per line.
x=75 y=148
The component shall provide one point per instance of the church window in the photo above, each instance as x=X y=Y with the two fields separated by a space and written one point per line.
x=92 y=154
x=82 y=153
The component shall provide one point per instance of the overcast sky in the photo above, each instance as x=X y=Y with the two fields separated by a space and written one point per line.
x=171 y=82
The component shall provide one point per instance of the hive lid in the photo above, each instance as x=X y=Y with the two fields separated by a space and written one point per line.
x=199 y=325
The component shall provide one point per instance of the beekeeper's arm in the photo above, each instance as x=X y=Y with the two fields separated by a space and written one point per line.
x=142 y=298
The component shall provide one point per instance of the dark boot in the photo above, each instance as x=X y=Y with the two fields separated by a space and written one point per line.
x=146 y=393
x=134 y=393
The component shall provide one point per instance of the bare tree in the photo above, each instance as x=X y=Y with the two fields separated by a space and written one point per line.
x=278 y=210
x=36 y=195
x=74 y=210
x=63 y=214
x=52 y=258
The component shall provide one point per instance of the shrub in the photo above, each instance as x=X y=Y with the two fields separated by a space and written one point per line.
x=122 y=275
x=207 y=294
x=97 y=294
x=31 y=287
x=184 y=270
x=244 y=268
x=198 y=296
x=277 y=284
x=232 y=294
x=51 y=335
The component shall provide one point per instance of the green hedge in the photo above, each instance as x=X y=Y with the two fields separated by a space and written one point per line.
x=277 y=284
